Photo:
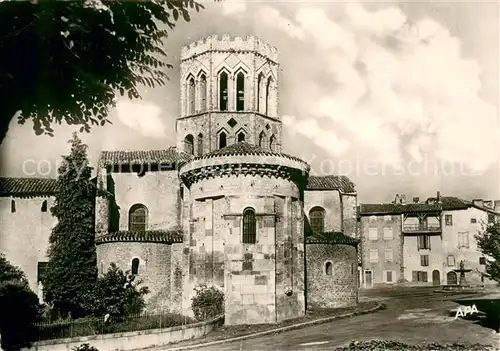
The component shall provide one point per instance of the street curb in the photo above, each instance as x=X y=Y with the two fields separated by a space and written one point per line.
x=379 y=306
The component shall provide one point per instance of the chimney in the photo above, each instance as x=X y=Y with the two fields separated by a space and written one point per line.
x=478 y=202
x=403 y=199
x=396 y=199
x=497 y=205
x=416 y=200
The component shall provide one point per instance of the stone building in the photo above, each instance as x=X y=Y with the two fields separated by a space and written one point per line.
x=226 y=206
x=422 y=243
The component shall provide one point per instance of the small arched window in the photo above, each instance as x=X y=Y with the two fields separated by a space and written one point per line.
x=135 y=266
x=268 y=95
x=222 y=140
x=223 y=91
x=137 y=219
x=44 y=206
x=240 y=91
x=200 y=144
x=272 y=143
x=241 y=137
x=12 y=206
x=189 y=144
x=328 y=268
x=203 y=92
x=191 y=96
x=249 y=226
x=263 y=140
x=317 y=219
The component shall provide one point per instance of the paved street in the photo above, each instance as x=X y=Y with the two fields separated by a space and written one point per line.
x=410 y=317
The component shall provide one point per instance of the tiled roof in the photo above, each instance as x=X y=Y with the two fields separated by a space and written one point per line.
x=151 y=236
x=168 y=156
x=244 y=148
x=331 y=238
x=331 y=182
x=451 y=203
x=28 y=186
x=387 y=209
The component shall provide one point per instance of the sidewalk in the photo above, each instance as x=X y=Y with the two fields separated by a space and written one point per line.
x=242 y=332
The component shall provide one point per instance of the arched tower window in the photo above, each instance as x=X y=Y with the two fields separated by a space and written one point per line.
x=249 y=226
x=263 y=142
x=44 y=206
x=189 y=144
x=317 y=219
x=241 y=137
x=203 y=92
x=240 y=91
x=135 y=266
x=260 y=82
x=222 y=140
x=200 y=144
x=137 y=218
x=268 y=95
x=272 y=143
x=223 y=80
x=12 y=206
x=328 y=268
x=191 y=96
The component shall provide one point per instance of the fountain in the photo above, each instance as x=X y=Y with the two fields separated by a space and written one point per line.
x=462 y=270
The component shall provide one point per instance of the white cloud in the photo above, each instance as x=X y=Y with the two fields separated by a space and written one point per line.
x=144 y=117
x=233 y=7
x=400 y=90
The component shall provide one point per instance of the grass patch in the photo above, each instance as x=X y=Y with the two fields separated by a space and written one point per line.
x=379 y=345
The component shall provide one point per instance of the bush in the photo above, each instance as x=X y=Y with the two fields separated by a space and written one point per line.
x=207 y=303
x=84 y=347
x=19 y=310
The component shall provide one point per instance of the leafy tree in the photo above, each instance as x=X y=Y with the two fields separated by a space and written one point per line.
x=488 y=242
x=10 y=272
x=117 y=293
x=71 y=270
x=208 y=302
x=64 y=61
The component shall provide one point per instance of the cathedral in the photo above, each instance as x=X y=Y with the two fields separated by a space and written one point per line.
x=224 y=206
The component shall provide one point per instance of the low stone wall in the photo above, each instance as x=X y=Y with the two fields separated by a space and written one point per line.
x=132 y=340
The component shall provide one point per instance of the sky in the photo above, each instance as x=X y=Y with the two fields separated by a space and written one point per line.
x=400 y=97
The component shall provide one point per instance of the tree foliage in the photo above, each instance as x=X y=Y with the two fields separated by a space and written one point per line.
x=208 y=302
x=64 y=61
x=488 y=242
x=9 y=272
x=117 y=293
x=71 y=270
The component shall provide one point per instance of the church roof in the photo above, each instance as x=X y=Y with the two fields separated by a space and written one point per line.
x=331 y=238
x=167 y=156
x=27 y=186
x=331 y=182
x=244 y=148
x=151 y=236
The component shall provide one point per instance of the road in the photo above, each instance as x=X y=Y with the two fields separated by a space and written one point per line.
x=412 y=318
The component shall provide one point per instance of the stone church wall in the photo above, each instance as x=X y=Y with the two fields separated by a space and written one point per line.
x=329 y=200
x=349 y=219
x=339 y=289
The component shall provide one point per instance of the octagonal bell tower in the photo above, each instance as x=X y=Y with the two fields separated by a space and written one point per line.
x=229 y=94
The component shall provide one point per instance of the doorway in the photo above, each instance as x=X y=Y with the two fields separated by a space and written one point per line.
x=451 y=278
x=368 y=279
x=436 y=279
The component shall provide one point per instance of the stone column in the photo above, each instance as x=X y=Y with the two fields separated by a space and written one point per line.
x=102 y=203
x=288 y=243
x=231 y=93
x=209 y=271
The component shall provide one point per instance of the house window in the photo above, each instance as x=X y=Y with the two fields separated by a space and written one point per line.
x=249 y=226
x=423 y=242
x=222 y=140
x=373 y=233
x=328 y=268
x=388 y=276
x=419 y=276
x=223 y=78
x=317 y=218
x=373 y=255
x=387 y=218
x=189 y=144
x=138 y=215
x=240 y=88
x=191 y=96
x=473 y=220
x=41 y=270
x=388 y=255
x=203 y=93
x=200 y=144
x=448 y=220
x=463 y=240
x=373 y=218
x=450 y=260
x=135 y=266
x=424 y=260
x=388 y=234
x=44 y=206
x=482 y=261
x=12 y=206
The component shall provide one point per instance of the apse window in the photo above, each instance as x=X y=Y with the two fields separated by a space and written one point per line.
x=135 y=266
x=328 y=268
x=249 y=226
